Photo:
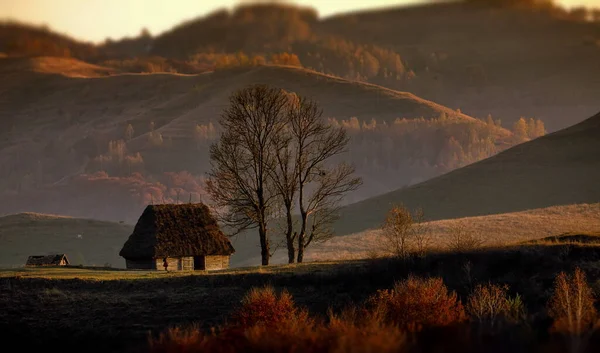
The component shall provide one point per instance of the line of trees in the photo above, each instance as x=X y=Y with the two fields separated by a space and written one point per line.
x=274 y=158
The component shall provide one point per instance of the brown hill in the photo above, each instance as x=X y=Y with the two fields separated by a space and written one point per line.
x=504 y=57
x=68 y=67
x=80 y=146
x=558 y=169
x=509 y=60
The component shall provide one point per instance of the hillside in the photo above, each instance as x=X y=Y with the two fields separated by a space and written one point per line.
x=558 y=169
x=486 y=58
x=500 y=57
x=68 y=67
x=498 y=229
x=84 y=241
x=107 y=145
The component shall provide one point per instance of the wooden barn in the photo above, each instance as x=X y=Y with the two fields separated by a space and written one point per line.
x=184 y=237
x=47 y=260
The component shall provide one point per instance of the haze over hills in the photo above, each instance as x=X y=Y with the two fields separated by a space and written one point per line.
x=100 y=131
x=561 y=168
x=79 y=139
x=505 y=58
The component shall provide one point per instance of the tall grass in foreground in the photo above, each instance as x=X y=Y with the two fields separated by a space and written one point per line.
x=416 y=315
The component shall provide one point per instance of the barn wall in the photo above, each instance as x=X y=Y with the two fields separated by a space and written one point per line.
x=176 y=263
x=187 y=263
x=216 y=262
x=140 y=264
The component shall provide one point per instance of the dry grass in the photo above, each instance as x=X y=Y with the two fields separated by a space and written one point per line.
x=496 y=230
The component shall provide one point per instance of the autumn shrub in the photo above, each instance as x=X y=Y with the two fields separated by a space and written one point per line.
x=340 y=335
x=489 y=305
x=417 y=303
x=178 y=339
x=572 y=309
x=265 y=307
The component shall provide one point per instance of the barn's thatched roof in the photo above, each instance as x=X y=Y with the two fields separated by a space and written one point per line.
x=46 y=260
x=176 y=230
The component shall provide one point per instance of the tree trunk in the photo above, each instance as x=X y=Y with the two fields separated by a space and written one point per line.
x=264 y=243
x=289 y=236
x=301 y=237
x=291 y=250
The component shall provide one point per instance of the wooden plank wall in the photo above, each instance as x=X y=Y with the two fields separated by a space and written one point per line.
x=176 y=264
x=216 y=262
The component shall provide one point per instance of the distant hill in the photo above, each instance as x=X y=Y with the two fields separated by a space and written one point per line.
x=56 y=65
x=107 y=144
x=500 y=57
x=20 y=39
x=484 y=58
x=84 y=241
x=561 y=168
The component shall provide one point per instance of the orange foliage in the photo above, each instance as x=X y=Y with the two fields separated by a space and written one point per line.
x=264 y=307
x=416 y=303
x=572 y=304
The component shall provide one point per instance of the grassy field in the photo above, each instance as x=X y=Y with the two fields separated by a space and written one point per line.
x=84 y=241
x=100 y=310
x=493 y=230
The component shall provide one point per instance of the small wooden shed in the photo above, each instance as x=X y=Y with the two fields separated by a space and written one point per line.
x=185 y=237
x=47 y=260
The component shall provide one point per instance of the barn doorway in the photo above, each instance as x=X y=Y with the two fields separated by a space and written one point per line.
x=199 y=263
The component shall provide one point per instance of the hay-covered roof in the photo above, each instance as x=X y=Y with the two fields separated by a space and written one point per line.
x=176 y=230
x=46 y=260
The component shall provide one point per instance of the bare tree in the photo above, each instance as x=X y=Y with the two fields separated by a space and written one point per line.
x=284 y=178
x=129 y=132
x=320 y=187
x=239 y=182
x=462 y=239
x=572 y=308
x=403 y=232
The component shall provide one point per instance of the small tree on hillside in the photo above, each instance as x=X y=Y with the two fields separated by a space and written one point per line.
x=403 y=232
x=129 y=132
x=520 y=130
x=240 y=182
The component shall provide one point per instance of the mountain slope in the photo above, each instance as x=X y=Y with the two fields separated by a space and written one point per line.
x=494 y=230
x=557 y=169
x=484 y=59
x=87 y=242
x=505 y=58
x=56 y=126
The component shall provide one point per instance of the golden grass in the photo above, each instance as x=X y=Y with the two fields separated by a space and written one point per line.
x=495 y=230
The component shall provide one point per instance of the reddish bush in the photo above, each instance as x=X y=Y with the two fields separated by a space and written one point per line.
x=264 y=307
x=417 y=303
